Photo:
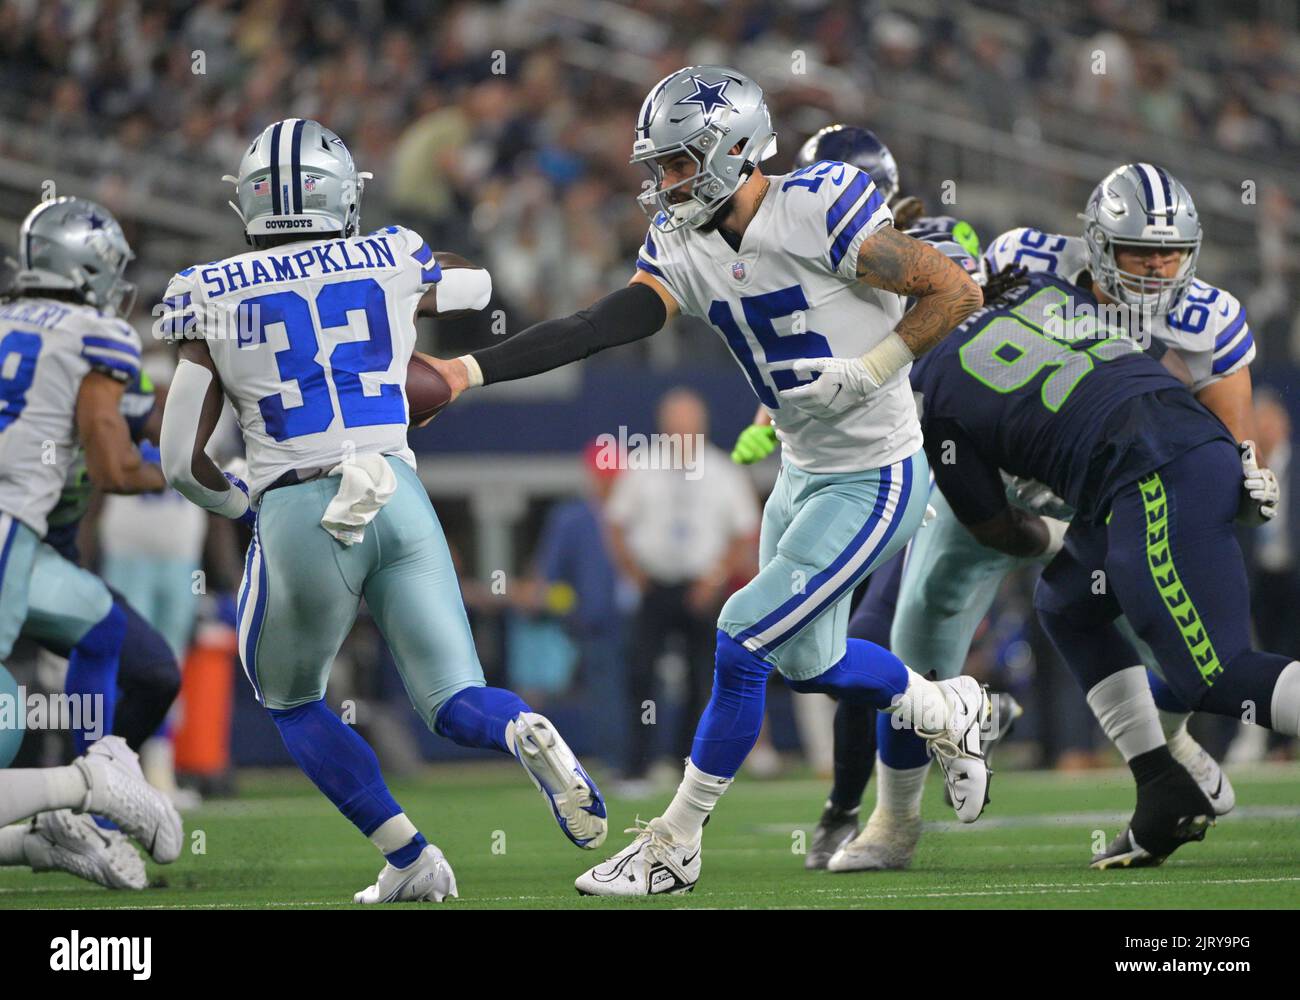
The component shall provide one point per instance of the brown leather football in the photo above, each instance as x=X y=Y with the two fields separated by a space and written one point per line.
x=427 y=392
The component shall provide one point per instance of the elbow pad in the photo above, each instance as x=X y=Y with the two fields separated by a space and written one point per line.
x=463 y=288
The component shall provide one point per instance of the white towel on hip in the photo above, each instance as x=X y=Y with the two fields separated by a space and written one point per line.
x=367 y=484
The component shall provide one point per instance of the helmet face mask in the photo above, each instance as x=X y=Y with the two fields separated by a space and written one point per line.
x=75 y=246
x=1141 y=207
x=297 y=178
x=703 y=112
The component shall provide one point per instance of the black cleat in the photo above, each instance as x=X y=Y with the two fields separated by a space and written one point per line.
x=835 y=829
x=1172 y=810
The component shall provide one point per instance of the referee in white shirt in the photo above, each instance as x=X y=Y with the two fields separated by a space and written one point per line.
x=680 y=534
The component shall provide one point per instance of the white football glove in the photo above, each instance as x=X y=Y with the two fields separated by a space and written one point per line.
x=840 y=385
x=1260 y=486
x=1035 y=497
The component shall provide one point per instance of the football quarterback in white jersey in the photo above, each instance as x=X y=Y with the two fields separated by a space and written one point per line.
x=802 y=275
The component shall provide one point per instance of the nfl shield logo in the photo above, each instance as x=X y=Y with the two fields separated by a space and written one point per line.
x=738 y=270
x=261 y=187
x=309 y=183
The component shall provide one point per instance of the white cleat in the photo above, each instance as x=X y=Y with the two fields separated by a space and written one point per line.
x=118 y=792
x=574 y=798
x=652 y=865
x=427 y=879
x=1205 y=770
x=956 y=746
x=70 y=842
x=886 y=843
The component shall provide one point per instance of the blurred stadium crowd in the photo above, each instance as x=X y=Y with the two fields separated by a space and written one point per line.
x=502 y=131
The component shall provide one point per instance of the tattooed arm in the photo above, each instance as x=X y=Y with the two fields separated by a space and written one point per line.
x=945 y=294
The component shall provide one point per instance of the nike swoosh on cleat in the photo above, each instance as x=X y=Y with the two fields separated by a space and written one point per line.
x=1214 y=795
x=687 y=861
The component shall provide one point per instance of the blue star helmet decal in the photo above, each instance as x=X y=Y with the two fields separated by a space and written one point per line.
x=96 y=220
x=708 y=96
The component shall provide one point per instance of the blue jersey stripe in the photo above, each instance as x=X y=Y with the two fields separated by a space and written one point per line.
x=1230 y=331
x=1222 y=364
x=649 y=268
x=847 y=199
x=174 y=323
x=853 y=227
x=430 y=275
x=650 y=246
x=112 y=345
x=178 y=301
x=424 y=254
x=128 y=369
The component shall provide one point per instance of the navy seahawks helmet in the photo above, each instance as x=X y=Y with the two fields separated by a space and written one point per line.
x=857 y=146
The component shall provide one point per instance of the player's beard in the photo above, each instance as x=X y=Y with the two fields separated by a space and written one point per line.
x=719 y=216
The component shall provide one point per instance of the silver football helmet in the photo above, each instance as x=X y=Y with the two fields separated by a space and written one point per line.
x=298 y=177
x=1140 y=204
x=75 y=245
x=703 y=111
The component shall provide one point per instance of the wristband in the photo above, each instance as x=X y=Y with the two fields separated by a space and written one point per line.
x=886 y=358
x=1056 y=530
x=472 y=371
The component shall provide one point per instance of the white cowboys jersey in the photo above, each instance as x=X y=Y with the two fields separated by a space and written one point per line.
x=46 y=349
x=1207 y=328
x=311 y=341
x=791 y=292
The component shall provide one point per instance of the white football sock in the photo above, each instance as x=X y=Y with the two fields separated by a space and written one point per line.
x=1284 y=709
x=393 y=834
x=1174 y=726
x=899 y=790
x=696 y=796
x=922 y=705
x=1127 y=712
x=11 y=845
x=28 y=790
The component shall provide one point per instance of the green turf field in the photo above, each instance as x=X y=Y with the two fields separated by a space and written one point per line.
x=282 y=845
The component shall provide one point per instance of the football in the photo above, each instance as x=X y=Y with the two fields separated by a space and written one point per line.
x=427 y=392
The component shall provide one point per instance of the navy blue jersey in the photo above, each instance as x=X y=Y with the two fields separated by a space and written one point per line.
x=1030 y=385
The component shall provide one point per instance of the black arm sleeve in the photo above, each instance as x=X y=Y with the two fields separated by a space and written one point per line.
x=631 y=313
